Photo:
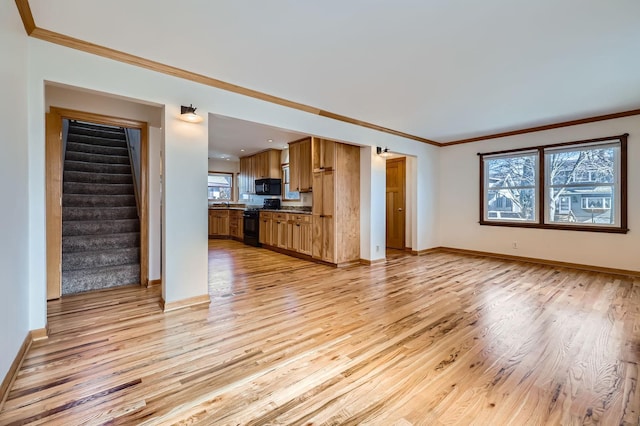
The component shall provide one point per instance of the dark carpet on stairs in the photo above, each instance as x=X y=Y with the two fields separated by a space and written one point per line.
x=100 y=224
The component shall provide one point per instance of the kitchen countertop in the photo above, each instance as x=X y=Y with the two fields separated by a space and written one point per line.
x=284 y=210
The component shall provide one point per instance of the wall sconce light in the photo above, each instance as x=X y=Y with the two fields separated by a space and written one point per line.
x=188 y=114
x=383 y=152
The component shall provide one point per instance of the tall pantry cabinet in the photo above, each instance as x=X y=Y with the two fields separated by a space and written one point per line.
x=336 y=202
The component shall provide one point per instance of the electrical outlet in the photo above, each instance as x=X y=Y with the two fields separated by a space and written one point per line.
x=514 y=245
x=377 y=249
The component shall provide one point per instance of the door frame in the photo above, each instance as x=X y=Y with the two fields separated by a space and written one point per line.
x=54 y=159
x=402 y=160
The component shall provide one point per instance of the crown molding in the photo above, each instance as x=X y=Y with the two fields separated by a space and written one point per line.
x=25 y=14
x=56 y=38
x=546 y=127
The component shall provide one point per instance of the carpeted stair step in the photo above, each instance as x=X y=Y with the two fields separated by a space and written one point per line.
x=98 y=178
x=100 y=242
x=97 y=131
x=94 y=140
x=80 y=200
x=80 y=280
x=96 y=149
x=97 y=189
x=99 y=227
x=96 y=158
x=100 y=258
x=99 y=213
x=81 y=166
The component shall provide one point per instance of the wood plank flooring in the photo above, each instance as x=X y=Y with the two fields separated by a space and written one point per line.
x=431 y=340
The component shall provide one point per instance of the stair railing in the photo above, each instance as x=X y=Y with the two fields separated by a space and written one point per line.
x=130 y=137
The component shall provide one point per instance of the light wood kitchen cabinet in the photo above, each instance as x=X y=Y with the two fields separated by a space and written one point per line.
x=245 y=178
x=263 y=165
x=218 y=223
x=266 y=164
x=236 y=223
x=265 y=230
x=323 y=155
x=299 y=233
x=336 y=204
x=300 y=170
x=279 y=230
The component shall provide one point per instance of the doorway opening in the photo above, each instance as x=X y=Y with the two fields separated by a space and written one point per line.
x=81 y=193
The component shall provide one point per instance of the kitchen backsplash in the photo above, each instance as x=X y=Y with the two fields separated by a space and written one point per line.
x=258 y=200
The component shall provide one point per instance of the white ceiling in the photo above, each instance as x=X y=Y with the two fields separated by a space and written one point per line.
x=231 y=138
x=439 y=69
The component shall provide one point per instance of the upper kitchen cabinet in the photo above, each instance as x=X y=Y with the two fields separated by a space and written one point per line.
x=245 y=178
x=300 y=172
x=263 y=165
x=266 y=165
x=323 y=155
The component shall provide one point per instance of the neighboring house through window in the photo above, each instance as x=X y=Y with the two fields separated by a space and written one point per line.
x=220 y=186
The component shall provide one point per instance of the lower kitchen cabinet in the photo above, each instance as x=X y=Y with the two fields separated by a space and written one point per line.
x=236 y=223
x=299 y=234
x=279 y=230
x=218 y=223
x=265 y=233
x=287 y=231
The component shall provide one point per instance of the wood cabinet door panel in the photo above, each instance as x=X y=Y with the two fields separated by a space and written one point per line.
x=294 y=166
x=328 y=193
x=304 y=238
x=305 y=170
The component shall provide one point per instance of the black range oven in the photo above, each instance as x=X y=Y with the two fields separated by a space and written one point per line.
x=251 y=227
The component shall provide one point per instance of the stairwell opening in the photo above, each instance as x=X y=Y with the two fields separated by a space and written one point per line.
x=100 y=207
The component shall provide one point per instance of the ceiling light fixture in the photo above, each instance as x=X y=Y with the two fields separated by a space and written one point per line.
x=383 y=152
x=269 y=140
x=188 y=114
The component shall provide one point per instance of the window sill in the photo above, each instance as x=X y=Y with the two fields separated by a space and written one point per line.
x=605 y=229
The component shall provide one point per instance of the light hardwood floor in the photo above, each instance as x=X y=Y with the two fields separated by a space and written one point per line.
x=437 y=339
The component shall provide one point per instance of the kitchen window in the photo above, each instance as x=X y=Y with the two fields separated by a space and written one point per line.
x=574 y=186
x=287 y=194
x=220 y=186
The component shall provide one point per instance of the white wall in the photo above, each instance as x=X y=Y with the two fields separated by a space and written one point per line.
x=459 y=203
x=218 y=165
x=155 y=202
x=14 y=187
x=184 y=208
x=74 y=98
x=52 y=63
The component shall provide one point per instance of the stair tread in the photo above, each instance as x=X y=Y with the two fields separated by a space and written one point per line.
x=100 y=248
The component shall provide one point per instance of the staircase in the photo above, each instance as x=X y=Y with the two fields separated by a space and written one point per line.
x=100 y=224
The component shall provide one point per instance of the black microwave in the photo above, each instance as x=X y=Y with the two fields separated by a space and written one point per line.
x=268 y=186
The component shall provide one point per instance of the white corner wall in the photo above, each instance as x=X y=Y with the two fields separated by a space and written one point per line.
x=14 y=187
x=459 y=203
x=184 y=208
